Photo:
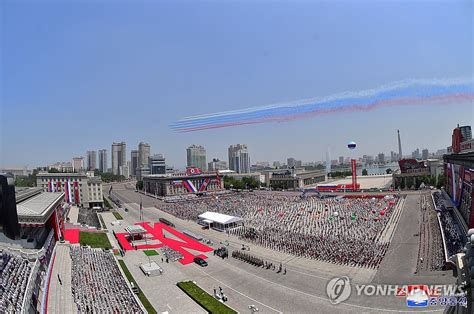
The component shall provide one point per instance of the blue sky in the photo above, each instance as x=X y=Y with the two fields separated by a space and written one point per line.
x=79 y=75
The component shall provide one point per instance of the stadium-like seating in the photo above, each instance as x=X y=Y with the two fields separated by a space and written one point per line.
x=14 y=274
x=97 y=283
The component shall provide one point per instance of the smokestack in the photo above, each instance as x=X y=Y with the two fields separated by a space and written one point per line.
x=400 y=156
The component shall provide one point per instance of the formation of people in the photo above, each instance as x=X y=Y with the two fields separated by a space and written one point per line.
x=171 y=254
x=257 y=261
x=452 y=231
x=97 y=283
x=14 y=274
x=338 y=230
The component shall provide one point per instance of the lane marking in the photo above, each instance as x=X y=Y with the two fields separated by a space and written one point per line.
x=209 y=275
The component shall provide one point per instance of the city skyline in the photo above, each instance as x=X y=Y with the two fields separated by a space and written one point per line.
x=282 y=161
x=185 y=71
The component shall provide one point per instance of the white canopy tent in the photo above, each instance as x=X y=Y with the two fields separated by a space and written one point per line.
x=219 y=221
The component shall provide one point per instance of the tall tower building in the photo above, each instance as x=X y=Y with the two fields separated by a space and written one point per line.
x=196 y=157
x=103 y=160
x=290 y=162
x=328 y=162
x=143 y=154
x=424 y=154
x=91 y=160
x=466 y=133
x=400 y=156
x=239 y=159
x=134 y=162
x=119 y=157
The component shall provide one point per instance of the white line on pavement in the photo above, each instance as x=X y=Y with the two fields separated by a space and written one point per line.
x=209 y=275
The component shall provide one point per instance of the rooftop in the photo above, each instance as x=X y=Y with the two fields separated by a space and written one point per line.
x=61 y=174
x=219 y=218
x=38 y=205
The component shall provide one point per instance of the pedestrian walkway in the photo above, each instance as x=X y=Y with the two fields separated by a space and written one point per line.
x=60 y=298
x=73 y=214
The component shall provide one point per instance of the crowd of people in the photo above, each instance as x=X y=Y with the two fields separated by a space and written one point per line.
x=14 y=273
x=452 y=234
x=452 y=231
x=338 y=230
x=97 y=283
x=171 y=254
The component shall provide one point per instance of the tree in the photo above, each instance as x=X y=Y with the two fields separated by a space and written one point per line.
x=388 y=171
x=365 y=172
x=441 y=181
x=53 y=170
x=139 y=185
x=320 y=167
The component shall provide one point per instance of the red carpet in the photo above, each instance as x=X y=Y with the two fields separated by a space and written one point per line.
x=156 y=233
x=71 y=235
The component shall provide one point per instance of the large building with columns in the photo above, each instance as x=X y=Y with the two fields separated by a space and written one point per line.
x=182 y=184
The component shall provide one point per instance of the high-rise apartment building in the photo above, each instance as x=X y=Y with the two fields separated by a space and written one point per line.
x=196 y=157
x=290 y=162
x=424 y=154
x=103 y=160
x=239 y=159
x=134 y=162
x=91 y=160
x=466 y=133
x=119 y=157
x=416 y=154
x=381 y=158
x=143 y=154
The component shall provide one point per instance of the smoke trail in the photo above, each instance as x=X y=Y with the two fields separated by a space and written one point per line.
x=405 y=93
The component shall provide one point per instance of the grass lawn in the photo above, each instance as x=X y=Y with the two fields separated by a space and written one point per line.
x=141 y=296
x=203 y=298
x=151 y=252
x=117 y=215
x=94 y=239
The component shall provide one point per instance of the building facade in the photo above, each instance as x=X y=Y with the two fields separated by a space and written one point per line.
x=62 y=167
x=157 y=164
x=78 y=164
x=239 y=160
x=143 y=154
x=91 y=160
x=381 y=158
x=119 y=157
x=103 y=160
x=459 y=173
x=196 y=157
x=217 y=164
x=79 y=188
x=293 y=179
x=133 y=162
x=182 y=184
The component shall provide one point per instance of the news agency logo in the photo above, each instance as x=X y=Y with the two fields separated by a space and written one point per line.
x=338 y=289
x=417 y=296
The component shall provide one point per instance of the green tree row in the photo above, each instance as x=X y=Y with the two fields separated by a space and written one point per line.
x=245 y=183
x=108 y=177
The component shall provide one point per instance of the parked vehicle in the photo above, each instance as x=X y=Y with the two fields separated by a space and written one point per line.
x=200 y=261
